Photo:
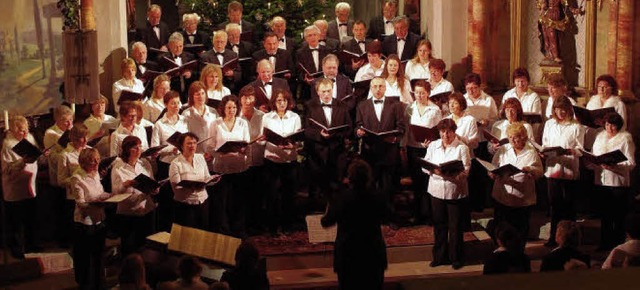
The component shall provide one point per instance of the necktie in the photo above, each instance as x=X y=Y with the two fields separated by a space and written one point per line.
x=377 y=101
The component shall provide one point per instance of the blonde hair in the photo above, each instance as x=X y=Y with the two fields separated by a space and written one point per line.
x=61 y=111
x=15 y=121
x=210 y=69
x=516 y=129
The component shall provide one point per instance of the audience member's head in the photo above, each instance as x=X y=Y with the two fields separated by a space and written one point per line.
x=189 y=269
x=132 y=273
x=568 y=234
x=506 y=236
x=247 y=255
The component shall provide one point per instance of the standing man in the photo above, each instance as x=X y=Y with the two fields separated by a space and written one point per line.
x=176 y=56
x=326 y=150
x=220 y=55
x=381 y=26
x=309 y=58
x=279 y=27
x=280 y=59
x=402 y=42
x=380 y=114
x=331 y=43
x=234 y=14
x=341 y=26
x=195 y=41
x=341 y=86
x=139 y=55
x=155 y=34
x=266 y=84
x=243 y=49
x=357 y=44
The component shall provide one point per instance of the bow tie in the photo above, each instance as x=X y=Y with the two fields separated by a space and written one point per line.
x=326 y=105
x=313 y=49
x=342 y=24
x=267 y=84
x=219 y=53
x=333 y=80
x=361 y=42
x=176 y=56
x=271 y=55
x=156 y=26
x=234 y=45
x=378 y=101
x=401 y=39
x=388 y=21
x=191 y=34
x=282 y=39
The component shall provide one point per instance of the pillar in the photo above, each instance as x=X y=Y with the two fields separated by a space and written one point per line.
x=476 y=37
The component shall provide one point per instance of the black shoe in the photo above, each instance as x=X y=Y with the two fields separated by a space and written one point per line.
x=436 y=264
x=456 y=265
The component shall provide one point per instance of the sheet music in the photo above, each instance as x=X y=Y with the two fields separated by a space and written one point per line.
x=318 y=234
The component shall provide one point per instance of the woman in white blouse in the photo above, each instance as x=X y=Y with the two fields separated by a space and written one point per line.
x=514 y=195
x=227 y=214
x=128 y=82
x=418 y=67
x=448 y=196
x=90 y=230
x=99 y=124
x=152 y=108
x=199 y=116
x=135 y=213
x=613 y=181
x=606 y=97
x=397 y=84
x=529 y=99
x=375 y=66
x=19 y=189
x=211 y=77
x=280 y=160
x=562 y=170
x=467 y=129
x=510 y=113
x=422 y=113
x=438 y=83
x=190 y=204
x=128 y=126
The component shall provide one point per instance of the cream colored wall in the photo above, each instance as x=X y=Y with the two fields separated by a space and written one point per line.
x=111 y=25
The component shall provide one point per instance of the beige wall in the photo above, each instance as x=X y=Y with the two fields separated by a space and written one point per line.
x=112 y=41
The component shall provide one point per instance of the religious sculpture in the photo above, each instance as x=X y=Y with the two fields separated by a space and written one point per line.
x=554 y=19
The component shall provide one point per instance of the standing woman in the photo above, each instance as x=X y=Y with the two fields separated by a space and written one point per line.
x=529 y=99
x=227 y=216
x=128 y=127
x=438 y=83
x=128 y=82
x=606 y=97
x=152 y=108
x=360 y=255
x=418 y=67
x=199 y=116
x=211 y=77
x=613 y=180
x=190 y=204
x=280 y=162
x=98 y=124
x=562 y=170
x=19 y=190
x=467 y=128
x=397 y=84
x=510 y=113
x=448 y=196
x=90 y=230
x=136 y=219
x=514 y=195
x=423 y=112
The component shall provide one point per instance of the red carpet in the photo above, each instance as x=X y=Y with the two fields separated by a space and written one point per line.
x=298 y=242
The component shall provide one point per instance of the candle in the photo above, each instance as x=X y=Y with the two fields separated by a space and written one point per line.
x=6 y=120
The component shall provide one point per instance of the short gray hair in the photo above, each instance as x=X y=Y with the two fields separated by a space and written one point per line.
x=309 y=28
x=175 y=37
x=343 y=5
x=188 y=16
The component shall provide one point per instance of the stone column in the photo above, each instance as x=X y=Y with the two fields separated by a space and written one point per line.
x=620 y=44
x=476 y=37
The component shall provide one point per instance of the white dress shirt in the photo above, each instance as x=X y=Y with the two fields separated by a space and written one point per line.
x=87 y=188
x=138 y=203
x=499 y=129
x=18 y=177
x=622 y=141
x=438 y=186
x=119 y=134
x=367 y=72
x=417 y=70
x=152 y=108
x=394 y=90
x=388 y=27
x=67 y=167
x=288 y=124
x=568 y=136
x=228 y=162
x=50 y=142
x=199 y=124
x=441 y=87
x=162 y=130
x=482 y=108
x=612 y=102
x=180 y=169
x=255 y=151
x=429 y=117
x=121 y=85
x=548 y=110
x=530 y=101
x=218 y=94
x=524 y=193
x=467 y=130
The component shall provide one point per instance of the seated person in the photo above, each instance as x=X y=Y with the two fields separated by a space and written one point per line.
x=189 y=269
x=132 y=274
x=628 y=253
x=508 y=257
x=247 y=275
x=566 y=256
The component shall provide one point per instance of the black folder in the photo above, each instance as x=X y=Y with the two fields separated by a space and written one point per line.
x=610 y=158
x=277 y=139
x=592 y=118
x=449 y=168
x=420 y=133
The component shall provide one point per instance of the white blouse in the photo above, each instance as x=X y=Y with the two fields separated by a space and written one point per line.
x=467 y=130
x=612 y=102
x=568 y=136
x=394 y=90
x=152 y=108
x=288 y=124
x=442 y=86
x=228 y=162
x=119 y=134
x=18 y=177
x=523 y=192
x=438 y=186
x=416 y=70
x=67 y=167
x=162 y=130
x=429 y=117
x=622 y=141
x=200 y=124
x=180 y=169
x=367 y=72
x=50 y=142
x=549 y=109
x=482 y=108
x=138 y=203
x=121 y=85
x=499 y=129
x=255 y=151
x=530 y=101
x=87 y=188
x=218 y=95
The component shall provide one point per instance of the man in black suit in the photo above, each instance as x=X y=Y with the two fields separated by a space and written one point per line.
x=326 y=150
x=382 y=25
x=357 y=44
x=309 y=58
x=244 y=50
x=280 y=59
x=176 y=56
x=332 y=44
x=221 y=55
x=341 y=85
x=279 y=27
x=234 y=14
x=155 y=34
x=380 y=114
x=402 y=42
x=195 y=41
x=341 y=26
x=139 y=55
x=266 y=84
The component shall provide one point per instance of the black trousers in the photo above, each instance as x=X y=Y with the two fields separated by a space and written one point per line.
x=164 y=199
x=20 y=223
x=561 y=197
x=191 y=215
x=358 y=278
x=448 y=224
x=614 y=203
x=255 y=197
x=281 y=190
x=87 y=255
x=228 y=197
x=479 y=192
x=518 y=217
x=134 y=230
x=420 y=182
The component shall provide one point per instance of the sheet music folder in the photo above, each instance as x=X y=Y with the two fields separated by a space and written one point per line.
x=207 y=245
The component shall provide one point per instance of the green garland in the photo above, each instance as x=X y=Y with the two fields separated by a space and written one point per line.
x=70 y=10
x=298 y=13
